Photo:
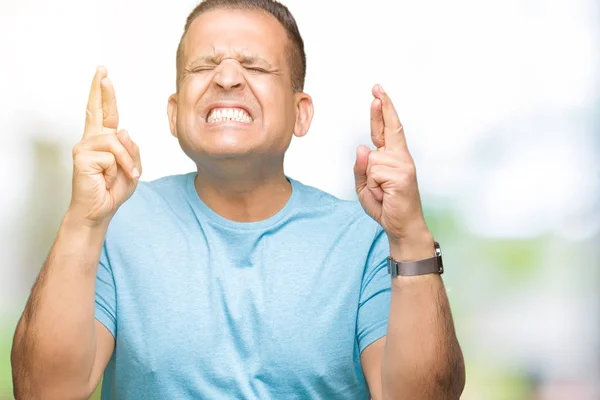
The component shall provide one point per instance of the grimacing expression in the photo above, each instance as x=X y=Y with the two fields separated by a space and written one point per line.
x=235 y=97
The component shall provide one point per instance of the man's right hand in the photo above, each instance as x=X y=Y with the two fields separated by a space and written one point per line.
x=106 y=163
x=63 y=360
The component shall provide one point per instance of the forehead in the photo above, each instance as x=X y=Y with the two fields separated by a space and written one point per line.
x=230 y=32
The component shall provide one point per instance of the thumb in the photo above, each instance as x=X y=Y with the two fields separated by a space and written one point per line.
x=360 y=167
x=131 y=148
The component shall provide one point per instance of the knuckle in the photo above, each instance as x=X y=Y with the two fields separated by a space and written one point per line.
x=371 y=182
x=373 y=157
x=121 y=153
x=111 y=158
x=80 y=158
x=114 y=144
x=404 y=180
x=106 y=158
x=110 y=139
x=374 y=171
x=410 y=170
x=407 y=178
x=377 y=157
x=77 y=149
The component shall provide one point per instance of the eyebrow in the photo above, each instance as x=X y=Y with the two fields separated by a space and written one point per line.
x=244 y=59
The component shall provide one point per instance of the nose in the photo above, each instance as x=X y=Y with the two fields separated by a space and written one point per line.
x=229 y=75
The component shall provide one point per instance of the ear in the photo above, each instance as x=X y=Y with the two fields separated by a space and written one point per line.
x=304 y=113
x=172 y=111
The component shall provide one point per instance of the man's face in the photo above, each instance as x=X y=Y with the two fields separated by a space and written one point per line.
x=235 y=97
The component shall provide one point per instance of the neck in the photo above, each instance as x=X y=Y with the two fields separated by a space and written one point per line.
x=246 y=195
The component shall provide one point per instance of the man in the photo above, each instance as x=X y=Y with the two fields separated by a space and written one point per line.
x=237 y=281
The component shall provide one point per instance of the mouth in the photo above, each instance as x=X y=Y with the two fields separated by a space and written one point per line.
x=226 y=114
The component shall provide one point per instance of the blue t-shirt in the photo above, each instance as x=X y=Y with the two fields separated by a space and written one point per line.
x=202 y=307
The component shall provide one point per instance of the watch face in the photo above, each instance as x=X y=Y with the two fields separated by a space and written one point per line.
x=438 y=254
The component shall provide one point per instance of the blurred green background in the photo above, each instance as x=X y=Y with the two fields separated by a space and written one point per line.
x=501 y=104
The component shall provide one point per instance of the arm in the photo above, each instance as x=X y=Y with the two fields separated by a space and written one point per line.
x=60 y=350
x=420 y=357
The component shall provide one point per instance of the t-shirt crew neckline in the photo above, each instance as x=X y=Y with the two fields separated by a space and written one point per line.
x=199 y=206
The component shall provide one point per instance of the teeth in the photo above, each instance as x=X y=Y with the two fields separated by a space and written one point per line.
x=228 y=114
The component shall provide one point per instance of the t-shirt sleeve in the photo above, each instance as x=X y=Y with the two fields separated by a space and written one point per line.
x=375 y=295
x=106 y=298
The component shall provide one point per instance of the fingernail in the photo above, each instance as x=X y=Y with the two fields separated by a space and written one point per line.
x=135 y=173
x=381 y=88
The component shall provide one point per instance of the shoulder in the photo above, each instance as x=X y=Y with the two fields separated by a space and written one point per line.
x=150 y=199
x=321 y=204
x=345 y=224
x=165 y=187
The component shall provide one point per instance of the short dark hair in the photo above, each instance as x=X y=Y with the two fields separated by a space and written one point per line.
x=296 y=56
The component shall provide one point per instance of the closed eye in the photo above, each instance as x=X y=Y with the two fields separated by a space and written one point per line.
x=201 y=69
x=256 y=69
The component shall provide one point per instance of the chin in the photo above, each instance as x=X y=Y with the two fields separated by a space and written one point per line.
x=217 y=150
x=227 y=153
x=222 y=140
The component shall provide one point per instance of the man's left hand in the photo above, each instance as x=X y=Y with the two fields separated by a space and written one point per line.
x=386 y=180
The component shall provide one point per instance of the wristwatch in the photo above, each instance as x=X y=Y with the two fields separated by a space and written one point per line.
x=431 y=265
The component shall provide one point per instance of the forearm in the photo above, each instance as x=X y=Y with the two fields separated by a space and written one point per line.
x=422 y=358
x=55 y=341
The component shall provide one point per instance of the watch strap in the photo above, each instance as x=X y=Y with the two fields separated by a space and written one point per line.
x=431 y=265
x=412 y=268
